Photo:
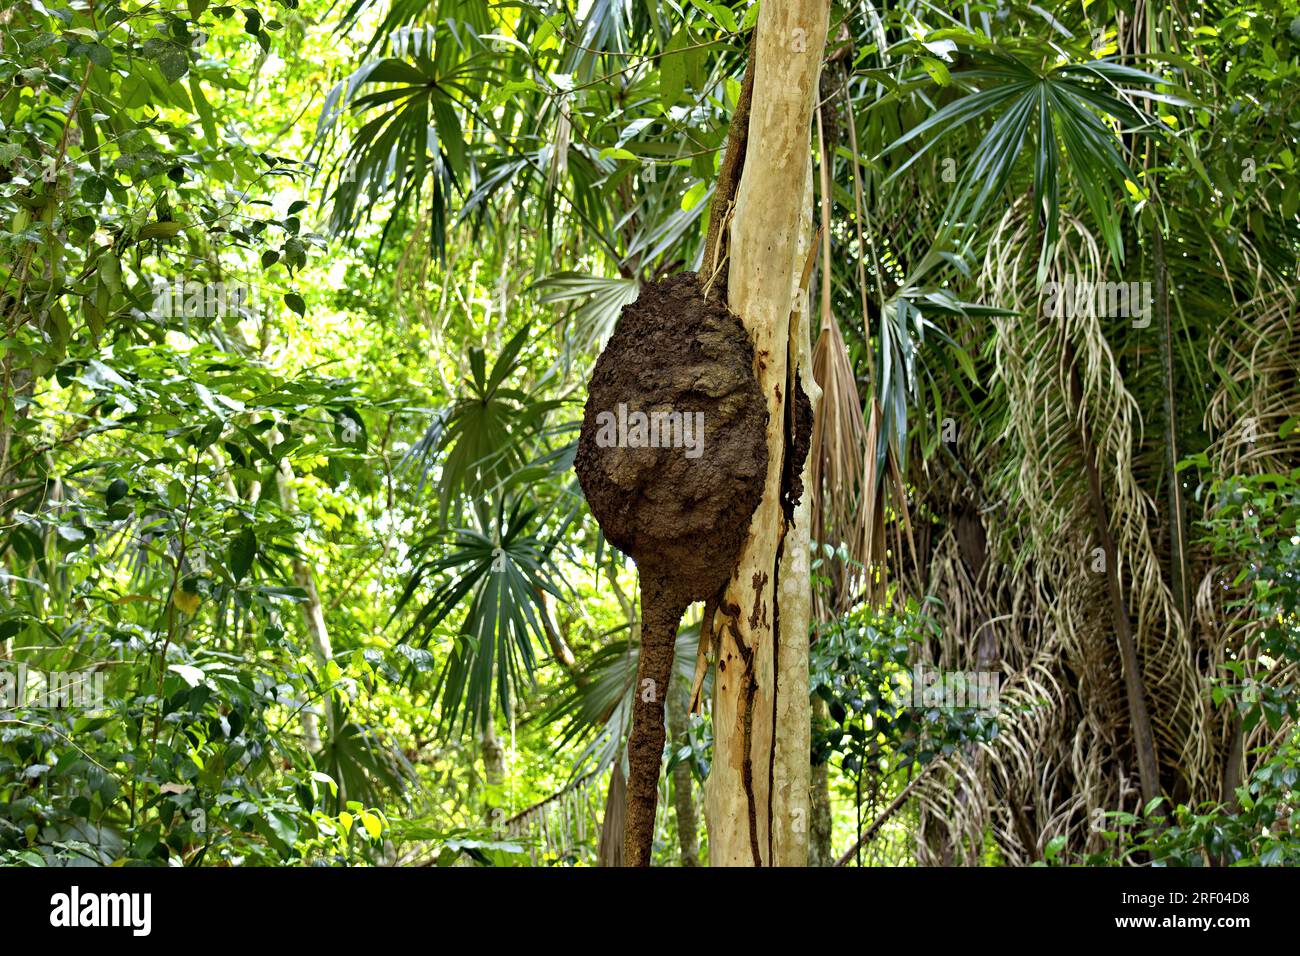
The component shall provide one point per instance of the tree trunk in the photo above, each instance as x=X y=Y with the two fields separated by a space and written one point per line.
x=313 y=614
x=14 y=382
x=494 y=770
x=756 y=797
x=688 y=837
x=1179 y=565
x=1139 y=720
x=821 y=824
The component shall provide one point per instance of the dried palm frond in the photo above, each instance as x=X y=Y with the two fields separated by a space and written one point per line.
x=839 y=438
x=857 y=479
x=1064 y=753
x=1256 y=354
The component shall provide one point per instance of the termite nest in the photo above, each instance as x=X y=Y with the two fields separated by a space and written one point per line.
x=681 y=511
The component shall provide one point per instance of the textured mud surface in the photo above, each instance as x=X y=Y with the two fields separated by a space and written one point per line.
x=681 y=517
x=797 y=452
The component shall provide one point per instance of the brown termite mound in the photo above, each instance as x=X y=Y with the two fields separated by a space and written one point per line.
x=675 y=497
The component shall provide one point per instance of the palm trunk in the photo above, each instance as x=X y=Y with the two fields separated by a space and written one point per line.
x=1134 y=687
x=1180 y=575
x=756 y=798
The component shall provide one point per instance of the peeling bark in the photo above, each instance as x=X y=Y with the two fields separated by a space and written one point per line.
x=757 y=794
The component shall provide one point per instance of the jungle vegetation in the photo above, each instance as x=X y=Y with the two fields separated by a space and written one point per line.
x=299 y=301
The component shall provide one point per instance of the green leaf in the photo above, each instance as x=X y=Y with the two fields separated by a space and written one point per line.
x=117 y=490
x=295 y=253
x=937 y=70
x=93 y=190
x=160 y=230
x=242 y=551
x=672 y=70
x=172 y=60
x=694 y=195
x=204 y=109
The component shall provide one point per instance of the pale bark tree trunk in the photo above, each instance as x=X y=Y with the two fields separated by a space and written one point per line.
x=494 y=771
x=757 y=794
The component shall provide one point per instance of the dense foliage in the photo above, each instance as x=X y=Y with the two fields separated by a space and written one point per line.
x=297 y=305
